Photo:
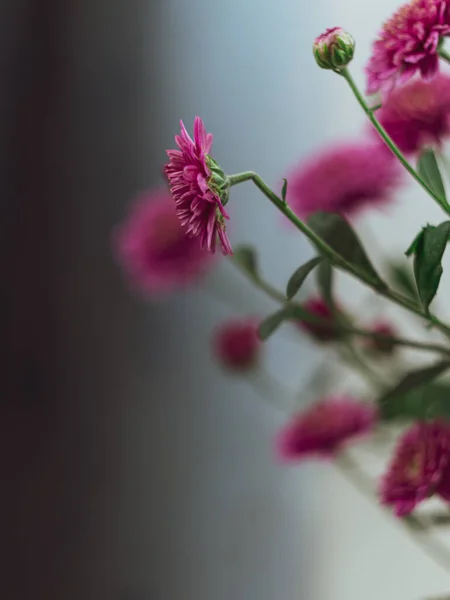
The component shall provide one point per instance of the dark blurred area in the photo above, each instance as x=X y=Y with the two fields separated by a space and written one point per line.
x=75 y=125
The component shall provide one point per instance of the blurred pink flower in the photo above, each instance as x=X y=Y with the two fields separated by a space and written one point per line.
x=408 y=44
x=325 y=428
x=198 y=188
x=383 y=345
x=153 y=248
x=326 y=330
x=417 y=114
x=236 y=344
x=420 y=467
x=343 y=179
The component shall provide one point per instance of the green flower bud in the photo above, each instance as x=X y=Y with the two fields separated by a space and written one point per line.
x=334 y=49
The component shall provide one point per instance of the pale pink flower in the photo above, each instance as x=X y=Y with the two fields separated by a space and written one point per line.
x=417 y=114
x=199 y=188
x=153 y=249
x=408 y=44
x=236 y=344
x=420 y=467
x=325 y=428
x=343 y=179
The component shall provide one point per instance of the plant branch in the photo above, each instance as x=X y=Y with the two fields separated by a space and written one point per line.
x=389 y=143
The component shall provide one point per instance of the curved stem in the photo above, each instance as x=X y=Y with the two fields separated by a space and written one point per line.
x=327 y=251
x=389 y=143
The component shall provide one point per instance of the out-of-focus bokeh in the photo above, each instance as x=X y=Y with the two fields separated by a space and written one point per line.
x=133 y=468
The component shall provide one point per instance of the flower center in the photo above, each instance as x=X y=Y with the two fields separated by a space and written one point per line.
x=413 y=470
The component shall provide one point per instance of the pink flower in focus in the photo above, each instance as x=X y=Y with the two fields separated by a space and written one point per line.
x=199 y=188
x=408 y=44
x=343 y=179
x=325 y=428
x=417 y=114
x=236 y=344
x=326 y=330
x=419 y=468
x=382 y=344
x=153 y=248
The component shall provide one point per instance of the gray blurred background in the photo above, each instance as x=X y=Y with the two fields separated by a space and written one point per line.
x=132 y=468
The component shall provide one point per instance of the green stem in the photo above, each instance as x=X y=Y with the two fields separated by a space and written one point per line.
x=389 y=143
x=355 y=359
x=327 y=251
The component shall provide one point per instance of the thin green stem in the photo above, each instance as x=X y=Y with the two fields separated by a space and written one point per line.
x=327 y=251
x=355 y=359
x=389 y=143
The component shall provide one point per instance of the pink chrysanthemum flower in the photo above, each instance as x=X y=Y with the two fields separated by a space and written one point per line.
x=325 y=428
x=419 y=468
x=237 y=345
x=408 y=44
x=199 y=188
x=153 y=248
x=418 y=114
x=326 y=330
x=343 y=179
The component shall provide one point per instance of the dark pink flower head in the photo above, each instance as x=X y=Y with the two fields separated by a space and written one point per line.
x=383 y=343
x=323 y=331
x=417 y=114
x=408 y=44
x=199 y=188
x=344 y=179
x=419 y=467
x=236 y=344
x=153 y=248
x=325 y=428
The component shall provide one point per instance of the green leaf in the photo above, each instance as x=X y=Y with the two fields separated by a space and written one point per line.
x=428 y=251
x=411 y=382
x=413 y=246
x=272 y=323
x=288 y=313
x=430 y=401
x=284 y=190
x=297 y=279
x=428 y=169
x=338 y=234
x=247 y=259
x=325 y=282
x=402 y=278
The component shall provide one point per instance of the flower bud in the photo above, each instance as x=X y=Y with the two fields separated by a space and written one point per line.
x=382 y=342
x=325 y=329
x=334 y=49
x=218 y=182
x=236 y=344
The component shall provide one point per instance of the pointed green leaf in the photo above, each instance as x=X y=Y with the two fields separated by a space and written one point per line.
x=247 y=259
x=402 y=277
x=412 y=381
x=325 y=282
x=297 y=279
x=428 y=169
x=428 y=252
x=284 y=190
x=413 y=246
x=339 y=235
x=272 y=323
